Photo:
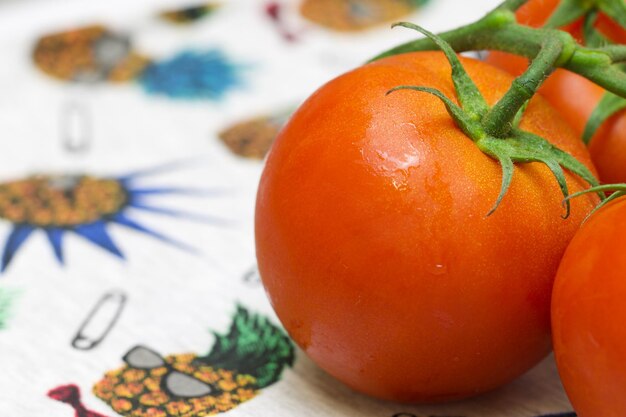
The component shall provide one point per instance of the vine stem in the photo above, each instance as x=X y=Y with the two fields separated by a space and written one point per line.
x=499 y=121
x=499 y=30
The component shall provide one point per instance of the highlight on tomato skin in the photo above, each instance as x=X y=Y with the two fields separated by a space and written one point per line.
x=375 y=249
x=574 y=96
x=588 y=315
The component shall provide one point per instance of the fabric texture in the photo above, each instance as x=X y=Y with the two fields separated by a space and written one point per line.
x=133 y=137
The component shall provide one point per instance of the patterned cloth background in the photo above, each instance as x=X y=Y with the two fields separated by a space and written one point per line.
x=132 y=144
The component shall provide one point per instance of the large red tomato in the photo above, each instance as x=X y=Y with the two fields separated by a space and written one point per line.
x=589 y=315
x=374 y=245
x=574 y=96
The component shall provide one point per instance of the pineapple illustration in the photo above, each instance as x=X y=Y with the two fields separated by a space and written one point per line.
x=250 y=357
x=90 y=54
x=354 y=15
x=95 y=55
x=60 y=200
x=252 y=138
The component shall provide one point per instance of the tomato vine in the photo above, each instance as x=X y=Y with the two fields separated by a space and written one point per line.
x=495 y=130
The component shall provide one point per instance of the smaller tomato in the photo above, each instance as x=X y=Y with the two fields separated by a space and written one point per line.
x=589 y=312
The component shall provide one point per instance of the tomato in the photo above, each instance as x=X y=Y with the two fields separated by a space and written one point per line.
x=374 y=246
x=574 y=96
x=588 y=315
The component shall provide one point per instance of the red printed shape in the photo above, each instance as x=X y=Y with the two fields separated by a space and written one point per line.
x=70 y=394
x=274 y=10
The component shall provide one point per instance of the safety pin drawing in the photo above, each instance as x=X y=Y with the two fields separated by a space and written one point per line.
x=100 y=320
x=252 y=277
x=75 y=127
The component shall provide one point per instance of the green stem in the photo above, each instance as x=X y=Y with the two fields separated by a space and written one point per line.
x=611 y=79
x=567 y=12
x=618 y=190
x=499 y=31
x=464 y=38
x=499 y=120
x=617 y=53
x=600 y=188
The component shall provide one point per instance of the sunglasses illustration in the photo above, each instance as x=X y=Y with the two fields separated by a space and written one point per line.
x=174 y=383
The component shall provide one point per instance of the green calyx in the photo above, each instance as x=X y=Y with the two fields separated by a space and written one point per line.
x=496 y=130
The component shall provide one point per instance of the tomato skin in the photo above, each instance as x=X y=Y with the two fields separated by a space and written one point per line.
x=374 y=246
x=574 y=96
x=608 y=149
x=588 y=315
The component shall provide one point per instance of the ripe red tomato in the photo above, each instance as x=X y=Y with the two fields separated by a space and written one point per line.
x=574 y=96
x=374 y=246
x=588 y=315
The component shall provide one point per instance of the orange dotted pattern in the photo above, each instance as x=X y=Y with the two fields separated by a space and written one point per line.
x=48 y=201
x=137 y=393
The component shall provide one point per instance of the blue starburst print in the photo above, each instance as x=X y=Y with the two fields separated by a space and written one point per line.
x=195 y=75
x=86 y=205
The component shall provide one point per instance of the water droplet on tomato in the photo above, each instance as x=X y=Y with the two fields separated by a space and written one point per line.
x=438 y=269
x=394 y=154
